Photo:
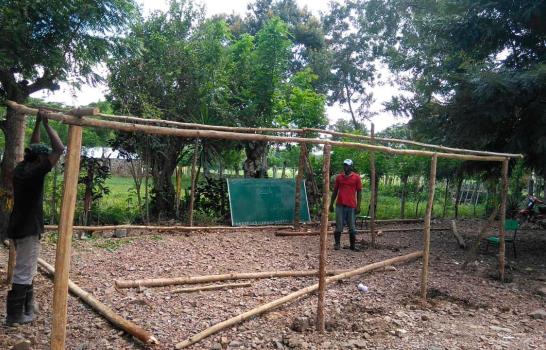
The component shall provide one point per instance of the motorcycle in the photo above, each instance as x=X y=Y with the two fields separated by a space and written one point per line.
x=535 y=212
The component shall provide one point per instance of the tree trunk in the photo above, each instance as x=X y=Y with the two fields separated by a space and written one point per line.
x=14 y=135
x=283 y=173
x=163 y=190
x=445 y=198
x=88 y=194
x=403 y=196
x=254 y=164
x=457 y=195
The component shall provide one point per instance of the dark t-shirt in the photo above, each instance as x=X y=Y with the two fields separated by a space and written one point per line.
x=27 y=216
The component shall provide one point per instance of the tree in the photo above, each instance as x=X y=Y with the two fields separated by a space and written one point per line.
x=42 y=44
x=353 y=67
x=476 y=70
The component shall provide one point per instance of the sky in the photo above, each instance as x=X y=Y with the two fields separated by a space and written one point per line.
x=87 y=94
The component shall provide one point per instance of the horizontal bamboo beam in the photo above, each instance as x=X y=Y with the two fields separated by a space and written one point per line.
x=209 y=288
x=413 y=143
x=131 y=119
x=162 y=282
x=118 y=321
x=167 y=228
x=316 y=233
x=225 y=135
x=288 y=298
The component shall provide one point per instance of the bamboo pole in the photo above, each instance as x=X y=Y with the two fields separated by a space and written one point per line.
x=62 y=258
x=299 y=178
x=317 y=233
x=131 y=119
x=11 y=262
x=502 y=218
x=426 y=233
x=162 y=282
x=323 y=237
x=209 y=288
x=193 y=181
x=170 y=123
x=413 y=143
x=273 y=304
x=373 y=190
x=104 y=310
x=458 y=237
x=168 y=228
x=472 y=254
x=225 y=135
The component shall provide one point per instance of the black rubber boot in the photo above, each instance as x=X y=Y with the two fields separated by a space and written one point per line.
x=337 y=239
x=352 y=242
x=15 y=306
x=30 y=304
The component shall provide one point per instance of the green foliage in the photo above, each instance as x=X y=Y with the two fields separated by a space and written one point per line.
x=211 y=198
x=44 y=42
x=475 y=70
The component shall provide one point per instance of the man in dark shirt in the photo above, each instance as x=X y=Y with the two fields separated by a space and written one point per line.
x=26 y=223
x=348 y=190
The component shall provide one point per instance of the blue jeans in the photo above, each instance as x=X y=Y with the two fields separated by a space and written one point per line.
x=345 y=216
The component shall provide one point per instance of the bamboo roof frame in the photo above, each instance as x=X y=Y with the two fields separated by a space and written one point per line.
x=300 y=131
x=206 y=132
x=76 y=119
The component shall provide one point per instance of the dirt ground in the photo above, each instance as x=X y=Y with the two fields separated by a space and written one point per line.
x=467 y=308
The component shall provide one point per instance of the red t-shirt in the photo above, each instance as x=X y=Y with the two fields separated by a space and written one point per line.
x=346 y=187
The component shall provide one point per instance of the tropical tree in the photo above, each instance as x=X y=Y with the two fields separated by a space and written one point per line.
x=44 y=43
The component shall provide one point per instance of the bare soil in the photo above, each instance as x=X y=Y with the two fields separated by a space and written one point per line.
x=467 y=308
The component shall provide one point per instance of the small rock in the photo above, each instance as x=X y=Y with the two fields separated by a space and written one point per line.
x=424 y=317
x=539 y=314
x=217 y=346
x=355 y=343
x=542 y=291
x=300 y=324
x=400 y=332
x=500 y=329
x=390 y=268
x=235 y=344
x=120 y=233
x=22 y=345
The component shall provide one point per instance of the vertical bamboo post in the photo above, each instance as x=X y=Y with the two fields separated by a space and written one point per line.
x=373 y=190
x=299 y=178
x=323 y=236
x=426 y=233
x=11 y=262
x=502 y=218
x=62 y=258
x=193 y=180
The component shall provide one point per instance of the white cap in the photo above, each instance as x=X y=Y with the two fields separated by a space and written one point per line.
x=348 y=162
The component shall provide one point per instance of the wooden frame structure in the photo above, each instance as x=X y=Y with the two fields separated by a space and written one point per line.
x=198 y=131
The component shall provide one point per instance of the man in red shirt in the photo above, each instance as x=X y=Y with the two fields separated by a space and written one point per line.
x=348 y=190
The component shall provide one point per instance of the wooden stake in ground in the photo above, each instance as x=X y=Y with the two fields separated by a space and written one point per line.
x=62 y=258
x=502 y=218
x=458 y=237
x=11 y=262
x=207 y=288
x=104 y=310
x=373 y=191
x=426 y=233
x=273 y=304
x=323 y=237
x=299 y=179
x=162 y=282
x=193 y=180
x=472 y=254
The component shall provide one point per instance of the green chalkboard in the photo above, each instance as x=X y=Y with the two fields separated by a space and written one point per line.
x=265 y=201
